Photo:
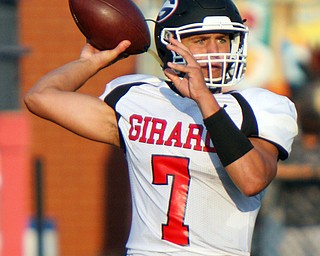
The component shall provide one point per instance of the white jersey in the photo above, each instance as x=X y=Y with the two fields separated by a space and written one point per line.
x=183 y=201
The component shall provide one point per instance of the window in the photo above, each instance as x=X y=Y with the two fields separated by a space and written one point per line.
x=10 y=52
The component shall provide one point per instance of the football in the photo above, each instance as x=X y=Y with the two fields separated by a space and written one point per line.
x=105 y=23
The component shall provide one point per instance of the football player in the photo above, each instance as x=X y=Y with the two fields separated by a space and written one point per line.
x=199 y=160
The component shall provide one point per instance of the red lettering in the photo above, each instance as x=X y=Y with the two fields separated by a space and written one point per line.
x=145 y=127
x=175 y=135
x=135 y=129
x=195 y=133
x=152 y=130
x=209 y=145
x=158 y=127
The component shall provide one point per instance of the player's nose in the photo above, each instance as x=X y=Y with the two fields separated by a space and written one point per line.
x=212 y=46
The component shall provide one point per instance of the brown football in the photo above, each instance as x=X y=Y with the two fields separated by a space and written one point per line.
x=105 y=23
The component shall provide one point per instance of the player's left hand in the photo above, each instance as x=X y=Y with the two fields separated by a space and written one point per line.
x=192 y=85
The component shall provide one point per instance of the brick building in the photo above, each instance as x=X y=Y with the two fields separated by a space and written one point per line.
x=76 y=170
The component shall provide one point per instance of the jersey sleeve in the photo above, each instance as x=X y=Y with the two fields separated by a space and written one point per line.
x=276 y=118
x=127 y=80
x=113 y=84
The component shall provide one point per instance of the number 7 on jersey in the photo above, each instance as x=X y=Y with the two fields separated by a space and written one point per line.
x=174 y=230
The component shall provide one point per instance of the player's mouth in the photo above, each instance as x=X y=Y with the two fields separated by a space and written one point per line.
x=216 y=69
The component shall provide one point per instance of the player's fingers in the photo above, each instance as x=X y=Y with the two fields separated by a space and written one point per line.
x=170 y=74
x=195 y=70
x=178 y=49
x=120 y=48
x=177 y=67
x=173 y=77
x=186 y=55
x=177 y=43
x=182 y=50
x=112 y=56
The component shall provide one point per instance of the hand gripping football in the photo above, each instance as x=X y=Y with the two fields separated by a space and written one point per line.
x=105 y=23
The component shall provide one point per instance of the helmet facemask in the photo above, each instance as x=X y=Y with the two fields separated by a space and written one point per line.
x=233 y=63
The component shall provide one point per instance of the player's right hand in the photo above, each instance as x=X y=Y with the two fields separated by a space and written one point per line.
x=104 y=58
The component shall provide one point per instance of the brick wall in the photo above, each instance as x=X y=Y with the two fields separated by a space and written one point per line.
x=78 y=191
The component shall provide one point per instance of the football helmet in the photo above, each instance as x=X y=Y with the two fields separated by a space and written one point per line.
x=182 y=18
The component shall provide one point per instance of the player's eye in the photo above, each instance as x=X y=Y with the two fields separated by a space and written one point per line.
x=223 y=39
x=200 y=40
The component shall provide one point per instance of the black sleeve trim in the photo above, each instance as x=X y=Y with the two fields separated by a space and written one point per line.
x=249 y=124
x=112 y=99
x=114 y=96
x=283 y=154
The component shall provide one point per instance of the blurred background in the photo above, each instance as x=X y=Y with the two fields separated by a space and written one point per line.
x=78 y=189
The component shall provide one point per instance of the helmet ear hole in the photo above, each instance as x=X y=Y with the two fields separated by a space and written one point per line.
x=168 y=35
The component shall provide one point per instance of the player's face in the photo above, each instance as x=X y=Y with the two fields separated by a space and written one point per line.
x=206 y=44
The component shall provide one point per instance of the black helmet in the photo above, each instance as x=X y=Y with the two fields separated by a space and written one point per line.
x=181 y=18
